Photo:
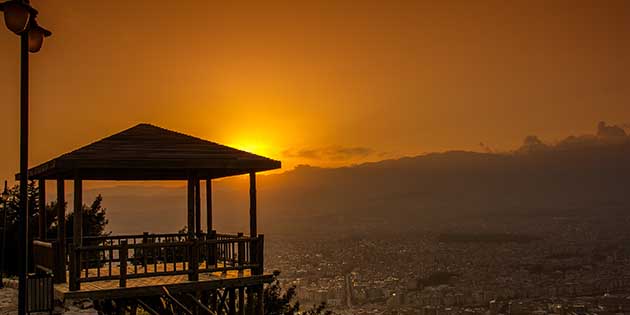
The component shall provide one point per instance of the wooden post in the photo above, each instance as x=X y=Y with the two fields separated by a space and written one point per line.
x=208 y=205
x=193 y=261
x=191 y=208
x=241 y=251
x=61 y=227
x=241 y=301
x=232 y=302
x=260 y=305
x=250 y=301
x=212 y=250
x=197 y=208
x=122 y=255
x=75 y=269
x=77 y=235
x=145 y=240
x=253 y=231
x=260 y=254
x=213 y=300
x=59 y=273
x=43 y=222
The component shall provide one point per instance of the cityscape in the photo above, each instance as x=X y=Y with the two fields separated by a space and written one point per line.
x=554 y=265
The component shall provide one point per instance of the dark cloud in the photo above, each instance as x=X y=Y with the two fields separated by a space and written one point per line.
x=606 y=134
x=610 y=133
x=335 y=153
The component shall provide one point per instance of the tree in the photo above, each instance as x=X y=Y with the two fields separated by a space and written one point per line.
x=279 y=302
x=94 y=220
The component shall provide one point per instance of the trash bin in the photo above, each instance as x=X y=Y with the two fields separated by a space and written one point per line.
x=40 y=293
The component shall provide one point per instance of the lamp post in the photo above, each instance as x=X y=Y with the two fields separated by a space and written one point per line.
x=3 y=197
x=19 y=18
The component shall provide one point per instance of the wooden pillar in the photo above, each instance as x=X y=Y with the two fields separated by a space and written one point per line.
x=253 y=230
x=232 y=301
x=241 y=301
x=191 y=208
x=77 y=235
x=43 y=221
x=260 y=305
x=250 y=301
x=197 y=208
x=61 y=229
x=208 y=205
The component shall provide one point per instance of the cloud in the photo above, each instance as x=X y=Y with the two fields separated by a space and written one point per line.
x=610 y=133
x=606 y=134
x=332 y=153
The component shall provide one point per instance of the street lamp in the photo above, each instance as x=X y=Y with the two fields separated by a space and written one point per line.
x=4 y=197
x=19 y=18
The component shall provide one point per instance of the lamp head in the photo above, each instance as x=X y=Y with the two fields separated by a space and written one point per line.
x=36 y=36
x=17 y=15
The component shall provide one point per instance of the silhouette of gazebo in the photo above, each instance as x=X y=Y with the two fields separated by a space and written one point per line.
x=147 y=153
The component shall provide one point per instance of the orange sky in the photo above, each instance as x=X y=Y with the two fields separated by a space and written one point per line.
x=325 y=83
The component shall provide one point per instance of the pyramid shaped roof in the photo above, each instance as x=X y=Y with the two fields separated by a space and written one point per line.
x=147 y=152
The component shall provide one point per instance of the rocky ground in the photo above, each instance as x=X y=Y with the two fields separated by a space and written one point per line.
x=8 y=304
x=8 y=301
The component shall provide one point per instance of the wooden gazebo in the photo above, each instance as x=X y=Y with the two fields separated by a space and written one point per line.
x=146 y=152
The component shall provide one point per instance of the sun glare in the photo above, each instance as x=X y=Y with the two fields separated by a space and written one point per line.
x=252 y=147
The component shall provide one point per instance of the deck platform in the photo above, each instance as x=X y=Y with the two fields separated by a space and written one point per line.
x=152 y=286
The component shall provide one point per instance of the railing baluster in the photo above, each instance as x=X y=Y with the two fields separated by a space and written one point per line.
x=98 y=263
x=174 y=250
x=122 y=254
x=165 y=255
x=111 y=260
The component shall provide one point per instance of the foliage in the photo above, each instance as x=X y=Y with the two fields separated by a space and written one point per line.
x=279 y=302
x=94 y=220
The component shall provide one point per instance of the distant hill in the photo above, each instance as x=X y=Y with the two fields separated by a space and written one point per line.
x=579 y=175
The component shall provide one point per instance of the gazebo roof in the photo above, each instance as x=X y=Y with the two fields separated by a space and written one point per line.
x=147 y=152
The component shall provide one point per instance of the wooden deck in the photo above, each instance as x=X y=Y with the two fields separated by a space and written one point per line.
x=150 y=286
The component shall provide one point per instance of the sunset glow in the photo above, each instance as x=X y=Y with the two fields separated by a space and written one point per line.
x=304 y=82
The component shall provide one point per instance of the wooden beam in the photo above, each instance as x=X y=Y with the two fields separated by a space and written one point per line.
x=208 y=205
x=197 y=208
x=61 y=228
x=156 y=290
x=200 y=305
x=191 y=208
x=43 y=221
x=77 y=228
x=253 y=230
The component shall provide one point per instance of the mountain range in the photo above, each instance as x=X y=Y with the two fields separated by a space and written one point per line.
x=583 y=175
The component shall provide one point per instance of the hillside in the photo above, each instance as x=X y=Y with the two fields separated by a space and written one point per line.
x=577 y=176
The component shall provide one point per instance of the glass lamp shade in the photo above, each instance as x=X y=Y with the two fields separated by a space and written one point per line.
x=36 y=36
x=16 y=16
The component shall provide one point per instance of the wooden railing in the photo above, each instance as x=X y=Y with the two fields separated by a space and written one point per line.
x=46 y=258
x=150 y=255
